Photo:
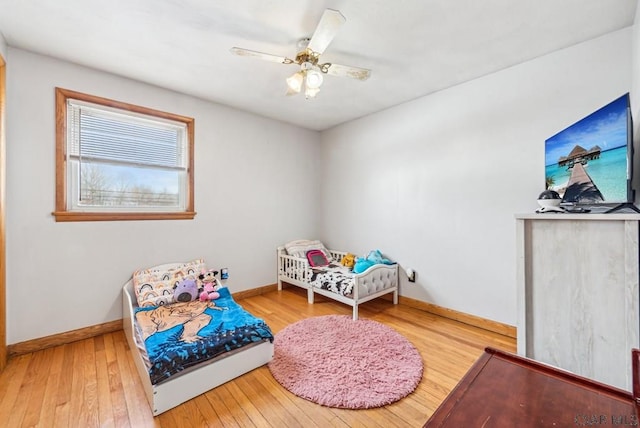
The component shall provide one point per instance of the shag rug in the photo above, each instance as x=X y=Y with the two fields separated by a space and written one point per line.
x=337 y=362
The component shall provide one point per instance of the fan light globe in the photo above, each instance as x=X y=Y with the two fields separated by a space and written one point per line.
x=311 y=92
x=295 y=82
x=314 y=79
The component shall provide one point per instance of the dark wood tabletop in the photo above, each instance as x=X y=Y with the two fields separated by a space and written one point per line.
x=506 y=390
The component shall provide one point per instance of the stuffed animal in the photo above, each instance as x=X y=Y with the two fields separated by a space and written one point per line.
x=349 y=260
x=208 y=292
x=208 y=276
x=373 y=258
x=185 y=290
x=209 y=285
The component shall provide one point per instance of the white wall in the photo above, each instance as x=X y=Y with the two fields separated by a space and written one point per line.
x=249 y=197
x=435 y=183
x=3 y=47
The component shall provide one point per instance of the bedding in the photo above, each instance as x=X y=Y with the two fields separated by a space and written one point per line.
x=333 y=277
x=154 y=287
x=181 y=335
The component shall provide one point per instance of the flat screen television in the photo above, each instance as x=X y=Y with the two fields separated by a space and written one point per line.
x=590 y=163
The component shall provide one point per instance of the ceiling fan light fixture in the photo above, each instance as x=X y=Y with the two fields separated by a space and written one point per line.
x=311 y=92
x=309 y=79
x=313 y=78
x=294 y=82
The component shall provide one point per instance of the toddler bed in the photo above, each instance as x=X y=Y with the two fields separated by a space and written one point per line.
x=334 y=280
x=183 y=349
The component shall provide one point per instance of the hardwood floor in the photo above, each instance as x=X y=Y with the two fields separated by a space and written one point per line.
x=94 y=383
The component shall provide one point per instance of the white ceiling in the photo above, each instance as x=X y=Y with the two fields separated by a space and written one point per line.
x=413 y=47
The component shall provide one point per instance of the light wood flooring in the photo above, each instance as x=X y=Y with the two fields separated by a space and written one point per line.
x=93 y=382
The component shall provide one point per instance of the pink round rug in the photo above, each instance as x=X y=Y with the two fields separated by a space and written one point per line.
x=337 y=362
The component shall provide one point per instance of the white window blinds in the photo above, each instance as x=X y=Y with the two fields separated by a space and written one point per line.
x=103 y=135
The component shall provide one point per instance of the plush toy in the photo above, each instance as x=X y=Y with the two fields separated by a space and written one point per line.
x=349 y=260
x=185 y=290
x=208 y=292
x=373 y=258
x=208 y=276
x=209 y=287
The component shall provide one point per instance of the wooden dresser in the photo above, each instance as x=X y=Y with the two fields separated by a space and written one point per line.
x=578 y=292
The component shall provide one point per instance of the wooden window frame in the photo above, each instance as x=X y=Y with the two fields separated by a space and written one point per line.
x=62 y=213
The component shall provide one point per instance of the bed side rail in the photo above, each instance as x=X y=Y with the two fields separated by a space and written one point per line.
x=295 y=268
x=337 y=255
x=291 y=268
x=128 y=304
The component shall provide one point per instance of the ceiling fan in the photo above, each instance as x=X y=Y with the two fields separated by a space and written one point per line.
x=310 y=76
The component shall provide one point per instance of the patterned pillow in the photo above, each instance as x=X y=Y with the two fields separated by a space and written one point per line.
x=300 y=247
x=154 y=286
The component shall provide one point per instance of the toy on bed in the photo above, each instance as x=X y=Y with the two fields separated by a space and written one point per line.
x=349 y=260
x=185 y=290
x=209 y=285
x=373 y=258
x=336 y=280
x=182 y=348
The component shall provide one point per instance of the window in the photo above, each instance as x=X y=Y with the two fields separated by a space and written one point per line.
x=116 y=161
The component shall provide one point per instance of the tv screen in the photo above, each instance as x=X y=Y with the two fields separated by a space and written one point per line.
x=590 y=162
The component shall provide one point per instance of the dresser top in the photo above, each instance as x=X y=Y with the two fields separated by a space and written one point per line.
x=573 y=216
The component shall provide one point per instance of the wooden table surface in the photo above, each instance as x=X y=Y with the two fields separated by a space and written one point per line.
x=505 y=390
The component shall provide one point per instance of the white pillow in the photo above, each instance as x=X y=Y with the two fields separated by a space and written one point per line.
x=300 y=247
x=154 y=287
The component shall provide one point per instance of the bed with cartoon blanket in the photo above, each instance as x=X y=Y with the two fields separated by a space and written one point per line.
x=182 y=350
x=182 y=335
x=334 y=280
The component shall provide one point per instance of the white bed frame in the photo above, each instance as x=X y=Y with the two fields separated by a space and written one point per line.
x=185 y=386
x=379 y=280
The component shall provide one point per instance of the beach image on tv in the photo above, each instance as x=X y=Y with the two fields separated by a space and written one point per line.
x=587 y=162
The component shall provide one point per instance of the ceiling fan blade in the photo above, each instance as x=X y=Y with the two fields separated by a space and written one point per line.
x=261 y=55
x=326 y=30
x=347 y=71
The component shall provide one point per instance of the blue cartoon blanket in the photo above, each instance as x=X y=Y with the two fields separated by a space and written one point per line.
x=181 y=335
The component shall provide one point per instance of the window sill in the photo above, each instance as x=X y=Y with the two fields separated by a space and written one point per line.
x=65 y=216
